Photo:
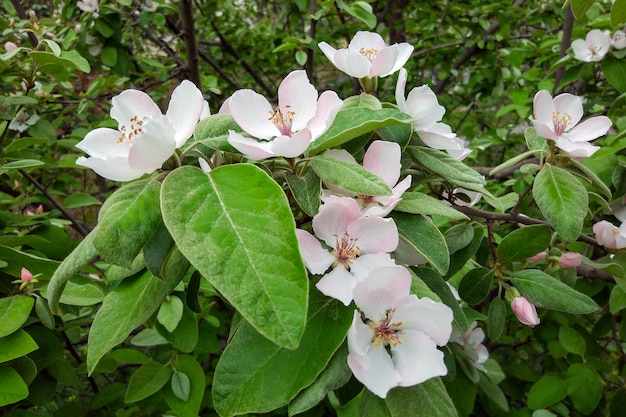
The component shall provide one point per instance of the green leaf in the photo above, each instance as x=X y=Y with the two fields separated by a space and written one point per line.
x=572 y=341
x=475 y=285
x=446 y=166
x=77 y=200
x=459 y=236
x=580 y=7
x=429 y=398
x=615 y=71
x=534 y=141
x=67 y=59
x=618 y=12
x=188 y=366
x=212 y=132
x=545 y=291
x=420 y=203
x=440 y=287
x=236 y=222
x=518 y=158
x=84 y=253
x=123 y=310
x=581 y=170
x=496 y=319
x=14 y=312
x=12 y=386
x=460 y=257
x=549 y=390
x=109 y=55
x=247 y=364
x=349 y=176
x=400 y=134
x=306 y=190
x=524 y=242
x=77 y=60
x=16 y=345
x=181 y=385
x=562 y=199
x=185 y=335
x=80 y=291
x=425 y=238
x=127 y=220
x=351 y=123
x=584 y=388
x=617 y=300
x=170 y=312
x=21 y=164
x=362 y=11
x=146 y=380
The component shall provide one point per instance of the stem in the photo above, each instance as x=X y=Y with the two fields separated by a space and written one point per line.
x=189 y=35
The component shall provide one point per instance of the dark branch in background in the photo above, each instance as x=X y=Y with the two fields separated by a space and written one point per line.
x=469 y=52
x=310 y=53
x=565 y=44
x=218 y=69
x=189 y=36
x=75 y=223
x=17 y=4
x=166 y=48
x=253 y=73
x=79 y=360
x=505 y=173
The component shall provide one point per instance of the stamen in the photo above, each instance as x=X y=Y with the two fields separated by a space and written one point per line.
x=346 y=249
x=283 y=121
x=561 y=123
x=369 y=53
x=131 y=134
x=387 y=333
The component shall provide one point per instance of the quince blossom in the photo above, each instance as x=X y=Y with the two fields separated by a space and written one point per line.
x=593 y=48
x=382 y=159
x=609 y=235
x=357 y=245
x=471 y=342
x=619 y=40
x=394 y=341
x=89 y=6
x=367 y=55
x=299 y=118
x=23 y=120
x=423 y=106
x=145 y=138
x=557 y=119
x=525 y=311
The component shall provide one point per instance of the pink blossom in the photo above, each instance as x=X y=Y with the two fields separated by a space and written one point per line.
x=619 y=40
x=609 y=235
x=367 y=55
x=471 y=342
x=26 y=275
x=570 y=260
x=557 y=119
x=356 y=245
x=393 y=342
x=537 y=257
x=10 y=46
x=593 y=48
x=525 y=311
x=300 y=118
x=383 y=159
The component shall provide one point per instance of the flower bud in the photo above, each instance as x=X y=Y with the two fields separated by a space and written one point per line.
x=525 y=311
x=32 y=14
x=537 y=257
x=26 y=275
x=10 y=46
x=570 y=260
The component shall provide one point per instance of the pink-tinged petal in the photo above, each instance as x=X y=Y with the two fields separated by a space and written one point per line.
x=600 y=41
x=381 y=290
x=590 y=129
x=132 y=103
x=338 y=284
x=114 y=169
x=104 y=143
x=543 y=109
x=328 y=50
x=360 y=336
x=440 y=136
x=328 y=105
x=184 y=110
x=383 y=159
x=404 y=53
x=417 y=359
x=252 y=112
x=316 y=258
x=579 y=149
x=400 y=90
x=525 y=311
x=569 y=104
x=250 y=148
x=155 y=145
x=543 y=130
x=225 y=107
x=389 y=203
x=291 y=146
x=366 y=40
x=384 y=62
x=296 y=94
x=375 y=234
x=340 y=154
x=206 y=111
x=423 y=106
x=361 y=267
x=355 y=65
x=334 y=217
x=375 y=370
x=605 y=233
x=581 y=50
x=459 y=154
x=425 y=315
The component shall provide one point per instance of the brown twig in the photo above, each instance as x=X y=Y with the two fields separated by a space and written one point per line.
x=565 y=44
x=189 y=36
x=21 y=13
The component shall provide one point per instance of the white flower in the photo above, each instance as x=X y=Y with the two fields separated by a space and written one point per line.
x=23 y=120
x=394 y=341
x=367 y=55
x=619 y=40
x=471 y=342
x=89 y=6
x=593 y=48
x=146 y=138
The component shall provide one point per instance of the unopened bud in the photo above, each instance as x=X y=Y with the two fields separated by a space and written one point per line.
x=537 y=257
x=570 y=260
x=32 y=14
x=26 y=275
x=10 y=46
x=525 y=311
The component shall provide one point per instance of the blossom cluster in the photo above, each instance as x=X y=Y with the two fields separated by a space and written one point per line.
x=597 y=44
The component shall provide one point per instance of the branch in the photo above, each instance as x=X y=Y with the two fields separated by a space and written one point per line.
x=21 y=13
x=565 y=44
x=189 y=36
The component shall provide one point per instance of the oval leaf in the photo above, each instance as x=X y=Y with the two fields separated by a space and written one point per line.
x=425 y=238
x=188 y=366
x=524 y=242
x=349 y=176
x=146 y=380
x=475 y=285
x=14 y=311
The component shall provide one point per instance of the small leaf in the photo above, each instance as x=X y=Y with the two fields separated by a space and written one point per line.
x=475 y=285
x=524 y=243
x=14 y=312
x=420 y=203
x=580 y=7
x=496 y=319
x=615 y=71
x=12 y=386
x=362 y=11
x=306 y=190
x=78 y=200
x=16 y=345
x=549 y=390
x=572 y=341
x=349 y=176
x=181 y=386
x=21 y=164
x=425 y=238
x=584 y=388
x=170 y=313
x=146 y=380
x=189 y=367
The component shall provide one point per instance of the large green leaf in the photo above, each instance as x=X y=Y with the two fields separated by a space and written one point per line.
x=475 y=285
x=580 y=7
x=446 y=166
x=349 y=176
x=16 y=345
x=562 y=199
x=12 y=386
x=254 y=375
x=524 y=242
x=550 y=389
x=123 y=310
x=615 y=72
x=618 y=12
x=584 y=387
x=14 y=312
x=425 y=238
x=545 y=291
x=420 y=203
x=306 y=190
x=127 y=220
x=235 y=226
x=353 y=122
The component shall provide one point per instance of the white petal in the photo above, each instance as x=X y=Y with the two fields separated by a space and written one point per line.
x=423 y=314
x=423 y=105
x=316 y=258
x=353 y=64
x=569 y=104
x=375 y=234
x=252 y=113
x=381 y=290
x=154 y=146
x=328 y=50
x=543 y=130
x=184 y=110
x=328 y=105
x=579 y=149
x=338 y=284
x=590 y=129
x=400 y=89
x=440 y=136
x=383 y=159
x=581 y=50
x=366 y=40
x=360 y=335
x=252 y=149
x=417 y=359
x=103 y=143
x=291 y=146
x=296 y=94
x=363 y=265
x=340 y=154
x=132 y=103
x=389 y=202
x=114 y=168
x=375 y=370
x=334 y=217
x=543 y=108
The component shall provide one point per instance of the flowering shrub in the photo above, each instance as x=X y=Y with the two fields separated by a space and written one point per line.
x=382 y=251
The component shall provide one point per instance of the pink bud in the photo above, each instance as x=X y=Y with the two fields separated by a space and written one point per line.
x=570 y=260
x=10 y=46
x=26 y=275
x=32 y=14
x=39 y=209
x=537 y=257
x=525 y=311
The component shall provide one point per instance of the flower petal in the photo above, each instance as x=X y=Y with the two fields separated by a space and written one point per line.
x=154 y=146
x=425 y=315
x=297 y=96
x=569 y=104
x=381 y=290
x=291 y=146
x=250 y=148
x=353 y=64
x=132 y=103
x=252 y=113
x=316 y=258
x=104 y=143
x=363 y=265
x=375 y=234
x=579 y=149
x=113 y=168
x=383 y=159
x=366 y=40
x=360 y=335
x=328 y=105
x=544 y=130
x=543 y=109
x=590 y=129
x=334 y=217
x=328 y=50
x=184 y=110
x=417 y=359
x=338 y=284
x=375 y=370
x=400 y=89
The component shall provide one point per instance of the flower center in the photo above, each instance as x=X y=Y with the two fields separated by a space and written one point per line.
x=561 y=123
x=367 y=199
x=387 y=333
x=132 y=132
x=346 y=249
x=282 y=121
x=369 y=53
